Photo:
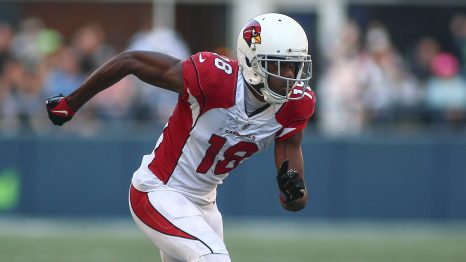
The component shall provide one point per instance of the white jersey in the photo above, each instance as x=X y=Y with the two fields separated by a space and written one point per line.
x=209 y=133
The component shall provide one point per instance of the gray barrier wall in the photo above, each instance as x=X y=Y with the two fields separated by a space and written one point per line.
x=380 y=178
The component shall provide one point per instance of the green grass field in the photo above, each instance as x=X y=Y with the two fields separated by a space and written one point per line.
x=259 y=241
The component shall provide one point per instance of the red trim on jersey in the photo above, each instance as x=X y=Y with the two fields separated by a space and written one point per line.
x=151 y=217
x=175 y=136
x=295 y=114
x=217 y=86
x=192 y=83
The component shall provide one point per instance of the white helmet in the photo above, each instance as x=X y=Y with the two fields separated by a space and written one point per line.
x=274 y=38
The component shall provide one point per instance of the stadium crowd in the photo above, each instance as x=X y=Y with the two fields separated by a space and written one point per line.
x=365 y=83
x=369 y=84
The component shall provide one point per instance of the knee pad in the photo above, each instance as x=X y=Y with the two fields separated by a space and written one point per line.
x=213 y=258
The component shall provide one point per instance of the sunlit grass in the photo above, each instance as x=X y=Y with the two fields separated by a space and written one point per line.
x=50 y=241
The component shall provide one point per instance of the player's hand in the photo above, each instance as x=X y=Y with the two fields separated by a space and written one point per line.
x=58 y=109
x=291 y=185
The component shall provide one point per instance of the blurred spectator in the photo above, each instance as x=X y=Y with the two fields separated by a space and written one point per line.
x=426 y=49
x=25 y=44
x=117 y=102
x=89 y=42
x=160 y=39
x=6 y=38
x=340 y=92
x=66 y=76
x=458 y=30
x=22 y=103
x=446 y=90
x=367 y=85
x=49 y=41
x=156 y=103
x=390 y=89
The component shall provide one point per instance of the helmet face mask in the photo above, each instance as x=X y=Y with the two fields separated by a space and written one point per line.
x=268 y=46
x=295 y=85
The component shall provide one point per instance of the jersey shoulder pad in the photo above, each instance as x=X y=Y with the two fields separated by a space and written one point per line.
x=294 y=114
x=294 y=110
x=212 y=76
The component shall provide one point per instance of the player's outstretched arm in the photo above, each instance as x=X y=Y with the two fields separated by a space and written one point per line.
x=153 y=68
x=290 y=175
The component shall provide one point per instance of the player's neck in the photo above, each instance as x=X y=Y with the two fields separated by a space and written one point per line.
x=254 y=91
x=252 y=103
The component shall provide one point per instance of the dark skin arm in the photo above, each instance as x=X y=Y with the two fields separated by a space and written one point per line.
x=291 y=149
x=151 y=67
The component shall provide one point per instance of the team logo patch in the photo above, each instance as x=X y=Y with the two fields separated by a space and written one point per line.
x=252 y=33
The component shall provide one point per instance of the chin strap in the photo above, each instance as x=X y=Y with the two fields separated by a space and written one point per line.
x=255 y=91
x=265 y=95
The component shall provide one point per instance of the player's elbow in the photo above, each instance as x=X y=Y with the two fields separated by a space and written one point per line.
x=120 y=65
x=128 y=60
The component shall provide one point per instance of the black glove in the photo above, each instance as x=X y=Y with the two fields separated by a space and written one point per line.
x=58 y=109
x=291 y=185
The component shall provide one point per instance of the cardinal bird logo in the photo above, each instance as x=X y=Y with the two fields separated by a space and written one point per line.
x=252 y=33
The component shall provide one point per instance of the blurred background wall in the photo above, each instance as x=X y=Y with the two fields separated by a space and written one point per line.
x=387 y=140
x=364 y=178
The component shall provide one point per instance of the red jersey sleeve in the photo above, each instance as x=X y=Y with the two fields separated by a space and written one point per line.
x=294 y=115
x=211 y=79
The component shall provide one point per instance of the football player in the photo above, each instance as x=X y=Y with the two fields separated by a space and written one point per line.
x=227 y=110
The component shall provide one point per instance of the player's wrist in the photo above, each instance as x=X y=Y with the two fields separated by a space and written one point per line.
x=71 y=104
x=64 y=103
